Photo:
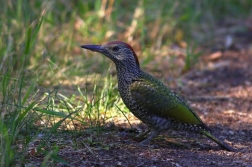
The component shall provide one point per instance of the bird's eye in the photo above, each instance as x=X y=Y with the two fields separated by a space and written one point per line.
x=115 y=48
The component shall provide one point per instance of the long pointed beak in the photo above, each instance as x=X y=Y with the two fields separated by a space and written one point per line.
x=95 y=48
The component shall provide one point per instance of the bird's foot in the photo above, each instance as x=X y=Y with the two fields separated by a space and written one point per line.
x=145 y=142
x=142 y=136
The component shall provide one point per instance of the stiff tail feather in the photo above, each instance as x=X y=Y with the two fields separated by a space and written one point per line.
x=218 y=141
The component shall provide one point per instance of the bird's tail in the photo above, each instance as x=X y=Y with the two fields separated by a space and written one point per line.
x=218 y=141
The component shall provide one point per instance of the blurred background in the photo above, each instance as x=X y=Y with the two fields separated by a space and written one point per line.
x=48 y=82
x=54 y=30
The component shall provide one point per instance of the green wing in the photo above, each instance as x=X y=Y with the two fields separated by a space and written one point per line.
x=156 y=98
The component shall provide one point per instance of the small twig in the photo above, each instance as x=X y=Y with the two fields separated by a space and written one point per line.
x=90 y=150
x=206 y=98
x=124 y=115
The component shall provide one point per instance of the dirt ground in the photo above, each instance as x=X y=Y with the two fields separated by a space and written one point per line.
x=221 y=94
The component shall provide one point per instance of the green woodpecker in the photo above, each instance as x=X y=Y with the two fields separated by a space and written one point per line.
x=148 y=98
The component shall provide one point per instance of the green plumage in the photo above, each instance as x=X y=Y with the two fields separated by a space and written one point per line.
x=156 y=98
x=149 y=99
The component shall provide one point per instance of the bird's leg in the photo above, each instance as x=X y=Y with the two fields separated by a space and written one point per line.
x=153 y=134
x=143 y=134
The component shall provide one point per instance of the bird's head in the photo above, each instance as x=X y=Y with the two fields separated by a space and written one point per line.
x=121 y=53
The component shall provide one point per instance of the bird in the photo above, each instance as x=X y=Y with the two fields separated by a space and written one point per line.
x=148 y=98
